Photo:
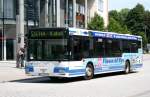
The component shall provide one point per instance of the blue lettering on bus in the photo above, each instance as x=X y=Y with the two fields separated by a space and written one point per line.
x=116 y=36
x=113 y=60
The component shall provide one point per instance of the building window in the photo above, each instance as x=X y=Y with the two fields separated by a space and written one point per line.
x=80 y=15
x=1 y=8
x=9 y=9
x=100 y=5
x=52 y=13
x=68 y=13
x=10 y=49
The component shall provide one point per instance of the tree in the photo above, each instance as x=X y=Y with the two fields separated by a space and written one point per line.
x=144 y=38
x=120 y=17
x=115 y=26
x=135 y=18
x=115 y=15
x=96 y=23
x=147 y=24
x=123 y=15
x=135 y=21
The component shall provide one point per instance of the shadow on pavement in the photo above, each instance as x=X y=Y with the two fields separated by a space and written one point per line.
x=48 y=80
x=65 y=80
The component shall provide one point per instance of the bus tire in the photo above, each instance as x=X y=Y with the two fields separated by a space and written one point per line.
x=127 y=67
x=89 y=72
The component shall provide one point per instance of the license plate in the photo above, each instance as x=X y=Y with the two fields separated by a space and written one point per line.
x=43 y=70
x=43 y=74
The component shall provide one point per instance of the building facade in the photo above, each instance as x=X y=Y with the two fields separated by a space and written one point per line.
x=71 y=13
x=45 y=13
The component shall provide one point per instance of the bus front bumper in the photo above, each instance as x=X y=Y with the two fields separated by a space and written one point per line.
x=43 y=71
x=56 y=72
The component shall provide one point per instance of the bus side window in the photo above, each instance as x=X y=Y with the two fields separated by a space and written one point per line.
x=116 y=48
x=108 y=48
x=99 y=49
x=113 y=48
x=77 y=51
x=126 y=46
x=134 y=47
x=139 y=44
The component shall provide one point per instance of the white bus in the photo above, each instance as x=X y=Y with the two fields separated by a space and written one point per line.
x=73 y=52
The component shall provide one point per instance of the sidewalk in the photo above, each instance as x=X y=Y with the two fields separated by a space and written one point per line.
x=9 y=72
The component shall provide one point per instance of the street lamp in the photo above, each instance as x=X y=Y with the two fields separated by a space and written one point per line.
x=145 y=27
x=3 y=28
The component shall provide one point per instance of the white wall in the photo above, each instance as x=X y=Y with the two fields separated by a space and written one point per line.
x=93 y=6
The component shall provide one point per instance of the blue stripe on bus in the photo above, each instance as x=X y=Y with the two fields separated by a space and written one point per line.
x=79 y=73
x=66 y=70
x=137 y=66
x=29 y=68
x=76 y=70
x=96 y=70
x=116 y=67
x=58 y=69
x=112 y=68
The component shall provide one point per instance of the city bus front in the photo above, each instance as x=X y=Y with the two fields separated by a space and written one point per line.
x=47 y=52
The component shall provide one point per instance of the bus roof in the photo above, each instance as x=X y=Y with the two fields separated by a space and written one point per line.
x=92 y=33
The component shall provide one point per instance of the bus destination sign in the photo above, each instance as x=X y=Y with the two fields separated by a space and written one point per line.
x=47 y=34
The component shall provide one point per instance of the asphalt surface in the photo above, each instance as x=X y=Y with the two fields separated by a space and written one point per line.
x=135 y=84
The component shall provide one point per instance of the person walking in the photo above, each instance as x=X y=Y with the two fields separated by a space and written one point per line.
x=20 y=58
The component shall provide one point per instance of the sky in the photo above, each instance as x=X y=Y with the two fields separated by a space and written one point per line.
x=119 y=4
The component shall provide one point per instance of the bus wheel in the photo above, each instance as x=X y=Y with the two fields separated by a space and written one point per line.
x=89 y=72
x=127 y=67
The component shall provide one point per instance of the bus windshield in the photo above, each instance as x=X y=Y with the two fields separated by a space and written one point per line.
x=47 y=49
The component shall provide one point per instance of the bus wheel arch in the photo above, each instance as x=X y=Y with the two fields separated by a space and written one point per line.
x=89 y=71
x=127 y=67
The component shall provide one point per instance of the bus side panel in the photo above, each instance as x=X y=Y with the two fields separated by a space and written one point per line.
x=105 y=65
x=135 y=60
x=76 y=68
x=115 y=64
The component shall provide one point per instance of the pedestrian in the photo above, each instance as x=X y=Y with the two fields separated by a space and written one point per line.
x=17 y=60
x=20 y=58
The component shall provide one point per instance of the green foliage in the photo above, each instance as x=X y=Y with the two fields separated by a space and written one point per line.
x=120 y=17
x=144 y=38
x=135 y=18
x=147 y=24
x=96 y=23
x=117 y=21
x=115 y=15
x=138 y=22
x=123 y=15
x=114 y=26
x=135 y=21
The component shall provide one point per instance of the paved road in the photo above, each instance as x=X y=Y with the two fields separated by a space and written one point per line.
x=8 y=71
x=107 y=85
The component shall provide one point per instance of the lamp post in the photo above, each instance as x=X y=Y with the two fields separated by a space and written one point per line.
x=145 y=28
x=3 y=34
x=26 y=7
x=2 y=27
